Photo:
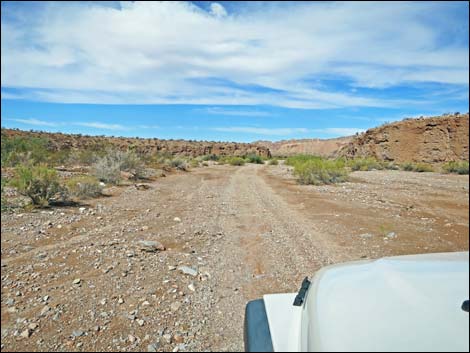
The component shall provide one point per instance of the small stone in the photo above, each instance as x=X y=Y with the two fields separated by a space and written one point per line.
x=77 y=281
x=177 y=219
x=82 y=209
x=140 y=322
x=391 y=235
x=33 y=326
x=59 y=226
x=120 y=301
x=77 y=333
x=145 y=303
x=188 y=270
x=153 y=347
x=79 y=344
x=191 y=287
x=103 y=301
x=44 y=310
x=151 y=246
x=131 y=338
x=177 y=338
x=131 y=317
x=171 y=268
x=26 y=333
x=175 y=306
x=167 y=338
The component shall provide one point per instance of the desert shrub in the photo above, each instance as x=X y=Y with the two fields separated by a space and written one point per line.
x=179 y=163
x=390 y=165
x=458 y=167
x=319 y=171
x=21 y=150
x=273 y=162
x=254 y=158
x=39 y=183
x=205 y=164
x=236 y=161
x=417 y=167
x=301 y=159
x=423 y=167
x=408 y=166
x=365 y=164
x=210 y=157
x=193 y=163
x=108 y=167
x=84 y=187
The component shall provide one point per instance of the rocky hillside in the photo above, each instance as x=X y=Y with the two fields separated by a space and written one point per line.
x=426 y=139
x=317 y=147
x=188 y=148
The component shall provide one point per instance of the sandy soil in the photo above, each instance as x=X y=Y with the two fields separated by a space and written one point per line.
x=246 y=230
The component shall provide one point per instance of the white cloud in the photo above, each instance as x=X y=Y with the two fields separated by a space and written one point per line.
x=218 y=10
x=98 y=125
x=176 y=53
x=34 y=122
x=262 y=131
x=235 y=112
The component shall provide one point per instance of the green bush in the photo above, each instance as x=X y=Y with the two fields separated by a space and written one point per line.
x=20 y=150
x=254 y=158
x=273 y=162
x=417 y=167
x=210 y=157
x=84 y=187
x=365 y=164
x=408 y=166
x=39 y=183
x=236 y=161
x=423 y=167
x=318 y=171
x=458 y=167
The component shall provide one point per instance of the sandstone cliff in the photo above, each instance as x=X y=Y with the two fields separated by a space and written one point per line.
x=436 y=139
x=316 y=147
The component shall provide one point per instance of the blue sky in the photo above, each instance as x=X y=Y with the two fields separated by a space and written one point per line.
x=230 y=71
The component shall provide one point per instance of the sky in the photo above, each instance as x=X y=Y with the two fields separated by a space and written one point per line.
x=230 y=71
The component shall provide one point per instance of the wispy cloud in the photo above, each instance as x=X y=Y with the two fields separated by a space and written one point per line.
x=265 y=56
x=262 y=131
x=98 y=125
x=235 y=112
x=35 y=122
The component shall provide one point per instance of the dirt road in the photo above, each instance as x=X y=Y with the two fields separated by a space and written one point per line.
x=76 y=278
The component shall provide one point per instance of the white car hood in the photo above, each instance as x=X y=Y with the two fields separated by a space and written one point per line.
x=405 y=303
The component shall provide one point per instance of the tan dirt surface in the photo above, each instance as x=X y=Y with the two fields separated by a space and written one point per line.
x=247 y=231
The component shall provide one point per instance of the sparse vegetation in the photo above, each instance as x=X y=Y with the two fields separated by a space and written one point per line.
x=273 y=161
x=39 y=183
x=109 y=167
x=254 y=158
x=457 y=167
x=235 y=161
x=84 y=187
x=365 y=164
x=317 y=170
x=21 y=151
x=417 y=167
x=179 y=163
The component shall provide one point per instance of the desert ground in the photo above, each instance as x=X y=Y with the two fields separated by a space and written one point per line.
x=78 y=278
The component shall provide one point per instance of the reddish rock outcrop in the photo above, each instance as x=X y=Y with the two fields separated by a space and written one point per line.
x=187 y=148
x=318 y=147
x=436 y=139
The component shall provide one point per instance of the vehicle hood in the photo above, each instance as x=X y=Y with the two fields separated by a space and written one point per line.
x=400 y=303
